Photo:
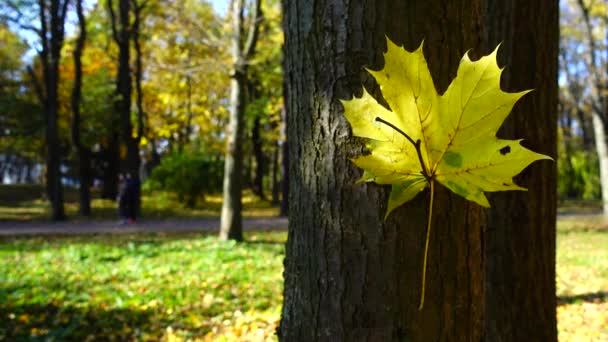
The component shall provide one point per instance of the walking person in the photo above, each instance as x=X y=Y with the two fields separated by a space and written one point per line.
x=121 y=199
x=132 y=198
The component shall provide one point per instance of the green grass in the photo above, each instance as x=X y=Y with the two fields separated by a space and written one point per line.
x=582 y=279
x=139 y=287
x=25 y=203
x=189 y=286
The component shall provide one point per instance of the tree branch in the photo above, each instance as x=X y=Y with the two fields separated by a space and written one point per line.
x=254 y=29
x=138 y=67
x=76 y=90
x=113 y=21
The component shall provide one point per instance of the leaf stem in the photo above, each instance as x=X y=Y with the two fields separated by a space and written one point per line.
x=415 y=143
x=426 y=246
x=431 y=181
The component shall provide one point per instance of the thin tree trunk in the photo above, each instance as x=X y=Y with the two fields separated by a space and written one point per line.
x=50 y=55
x=86 y=178
x=275 y=174
x=520 y=238
x=258 y=153
x=122 y=32
x=231 y=220
x=136 y=160
x=602 y=155
x=599 y=104
x=349 y=274
x=111 y=157
x=284 y=210
x=28 y=173
x=84 y=154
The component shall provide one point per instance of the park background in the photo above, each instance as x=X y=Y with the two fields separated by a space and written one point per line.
x=157 y=88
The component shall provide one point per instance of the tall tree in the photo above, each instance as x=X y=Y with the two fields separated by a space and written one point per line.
x=598 y=79
x=519 y=251
x=84 y=153
x=50 y=55
x=243 y=50
x=349 y=274
x=123 y=33
x=51 y=16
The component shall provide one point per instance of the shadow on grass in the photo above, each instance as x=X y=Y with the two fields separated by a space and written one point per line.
x=593 y=297
x=67 y=323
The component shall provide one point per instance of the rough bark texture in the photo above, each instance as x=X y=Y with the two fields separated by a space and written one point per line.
x=350 y=275
x=520 y=238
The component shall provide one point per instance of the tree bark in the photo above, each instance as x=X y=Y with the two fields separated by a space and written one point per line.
x=84 y=154
x=275 y=173
x=260 y=160
x=86 y=178
x=231 y=220
x=349 y=274
x=284 y=210
x=122 y=32
x=111 y=159
x=51 y=35
x=520 y=237
x=601 y=146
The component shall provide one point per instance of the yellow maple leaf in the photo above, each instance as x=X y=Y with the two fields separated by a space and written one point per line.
x=426 y=137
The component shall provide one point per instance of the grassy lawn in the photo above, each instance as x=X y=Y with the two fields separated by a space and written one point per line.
x=582 y=280
x=140 y=287
x=25 y=203
x=176 y=287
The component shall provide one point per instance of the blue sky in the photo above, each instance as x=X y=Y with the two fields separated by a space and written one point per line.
x=220 y=5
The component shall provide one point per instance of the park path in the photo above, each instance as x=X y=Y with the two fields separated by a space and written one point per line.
x=144 y=226
x=8 y=228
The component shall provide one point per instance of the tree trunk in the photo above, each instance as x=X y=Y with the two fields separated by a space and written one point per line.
x=275 y=174
x=258 y=152
x=520 y=237
x=54 y=187
x=598 y=101
x=231 y=220
x=85 y=175
x=84 y=154
x=284 y=210
x=349 y=274
x=28 y=173
x=50 y=55
x=111 y=170
x=602 y=155
x=122 y=32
